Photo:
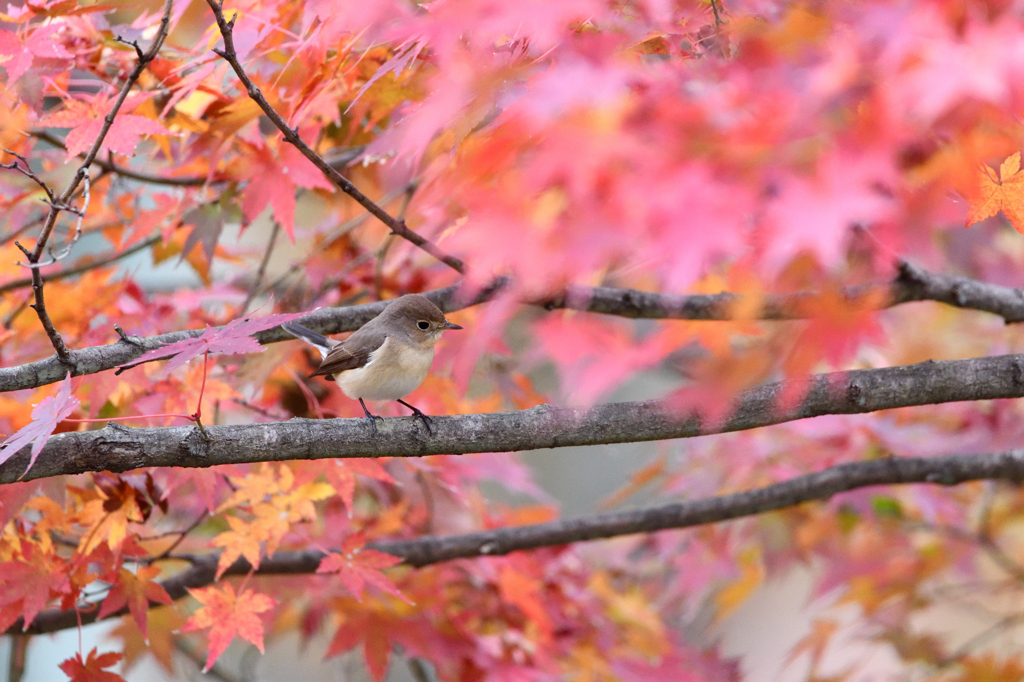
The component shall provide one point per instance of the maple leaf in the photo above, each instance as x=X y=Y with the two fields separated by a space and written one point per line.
x=1005 y=193
x=50 y=412
x=107 y=512
x=273 y=180
x=357 y=567
x=92 y=668
x=242 y=540
x=39 y=43
x=86 y=120
x=136 y=590
x=233 y=338
x=28 y=584
x=227 y=615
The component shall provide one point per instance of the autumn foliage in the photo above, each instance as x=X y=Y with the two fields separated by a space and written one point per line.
x=762 y=181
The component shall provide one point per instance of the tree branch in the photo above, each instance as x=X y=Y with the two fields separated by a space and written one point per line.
x=821 y=485
x=116 y=448
x=63 y=355
x=912 y=284
x=291 y=135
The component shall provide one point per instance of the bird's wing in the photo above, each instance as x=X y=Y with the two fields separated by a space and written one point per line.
x=352 y=353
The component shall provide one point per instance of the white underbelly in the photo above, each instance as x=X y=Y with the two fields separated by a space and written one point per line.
x=392 y=373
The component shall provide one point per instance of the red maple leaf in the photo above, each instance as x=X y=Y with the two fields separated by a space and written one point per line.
x=273 y=180
x=92 y=668
x=52 y=410
x=358 y=567
x=233 y=338
x=227 y=615
x=136 y=590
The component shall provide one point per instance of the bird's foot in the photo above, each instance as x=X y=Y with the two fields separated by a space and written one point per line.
x=416 y=412
x=371 y=417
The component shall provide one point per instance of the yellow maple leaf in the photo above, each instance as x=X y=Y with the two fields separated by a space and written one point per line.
x=1005 y=193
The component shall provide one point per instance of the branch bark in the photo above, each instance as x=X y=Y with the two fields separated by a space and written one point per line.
x=821 y=485
x=912 y=284
x=116 y=448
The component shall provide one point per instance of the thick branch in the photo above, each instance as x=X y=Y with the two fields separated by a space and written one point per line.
x=116 y=448
x=431 y=550
x=291 y=135
x=912 y=284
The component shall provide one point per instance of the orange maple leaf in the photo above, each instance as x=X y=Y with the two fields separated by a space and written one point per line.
x=227 y=615
x=136 y=590
x=242 y=540
x=92 y=668
x=1005 y=193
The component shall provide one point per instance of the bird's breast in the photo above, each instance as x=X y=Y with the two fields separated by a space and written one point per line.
x=394 y=371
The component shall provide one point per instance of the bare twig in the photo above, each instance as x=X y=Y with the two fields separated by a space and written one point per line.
x=26 y=170
x=994 y=630
x=291 y=135
x=258 y=282
x=425 y=551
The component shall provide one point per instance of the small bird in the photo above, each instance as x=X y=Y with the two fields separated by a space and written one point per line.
x=386 y=358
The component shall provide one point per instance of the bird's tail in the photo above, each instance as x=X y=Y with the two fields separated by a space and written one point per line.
x=318 y=341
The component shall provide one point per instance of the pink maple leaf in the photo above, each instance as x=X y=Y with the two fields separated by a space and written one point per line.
x=233 y=338
x=20 y=55
x=45 y=417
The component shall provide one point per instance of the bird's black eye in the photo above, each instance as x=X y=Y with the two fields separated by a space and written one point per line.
x=423 y=324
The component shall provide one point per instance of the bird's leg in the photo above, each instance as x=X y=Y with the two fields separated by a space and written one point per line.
x=417 y=413
x=373 y=418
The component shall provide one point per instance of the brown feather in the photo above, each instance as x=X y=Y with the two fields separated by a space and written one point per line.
x=353 y=352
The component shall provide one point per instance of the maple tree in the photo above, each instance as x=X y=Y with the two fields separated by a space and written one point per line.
x=761 y=203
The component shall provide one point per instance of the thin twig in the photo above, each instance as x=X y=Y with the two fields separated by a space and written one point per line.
x=994 y=630
x=378 y=270
x=259 y=410
x=255 y=287
x=27 y=172
x=291 y=135
x=181 y=536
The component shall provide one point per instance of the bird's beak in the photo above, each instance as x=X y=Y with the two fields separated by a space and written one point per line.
x=449 y=325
